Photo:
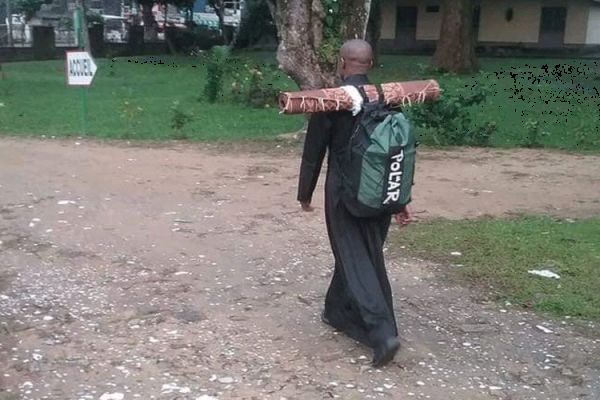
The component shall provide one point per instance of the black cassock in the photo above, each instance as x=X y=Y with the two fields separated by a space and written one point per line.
x=359 y=299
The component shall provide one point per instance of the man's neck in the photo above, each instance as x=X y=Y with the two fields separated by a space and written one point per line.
x=356 y=79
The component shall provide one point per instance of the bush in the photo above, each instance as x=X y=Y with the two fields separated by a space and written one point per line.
x=217 y=61
x=253 y=85
x=588 y=134
x=179 y=118
x=451 y=121
x=534 y=134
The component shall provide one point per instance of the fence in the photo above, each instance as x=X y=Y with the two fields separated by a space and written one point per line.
x=64 y=37
x=21 y=35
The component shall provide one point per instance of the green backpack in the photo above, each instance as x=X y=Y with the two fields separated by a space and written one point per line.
x=378 y=164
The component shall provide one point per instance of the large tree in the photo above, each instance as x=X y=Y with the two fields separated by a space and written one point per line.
x=455 y=50
x=29 y=7
x=374 y=27
x=256 y=24
x=310 y=32
x=219 y=7
x=150 y=24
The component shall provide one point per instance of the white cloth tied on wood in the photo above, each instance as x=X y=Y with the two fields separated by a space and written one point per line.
x=357 y=99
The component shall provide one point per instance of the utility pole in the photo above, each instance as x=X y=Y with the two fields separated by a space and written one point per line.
x=81 y=26
x=9 y=20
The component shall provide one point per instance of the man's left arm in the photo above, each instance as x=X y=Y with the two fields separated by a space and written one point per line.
x=315 y=147
x=404 y=217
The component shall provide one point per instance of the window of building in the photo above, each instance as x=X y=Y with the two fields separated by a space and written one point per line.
x=432 y=9
x=509 y=14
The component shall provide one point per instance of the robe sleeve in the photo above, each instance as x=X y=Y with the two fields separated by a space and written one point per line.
x=315 y=147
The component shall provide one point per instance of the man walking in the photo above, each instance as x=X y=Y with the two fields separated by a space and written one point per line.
x=359 y=299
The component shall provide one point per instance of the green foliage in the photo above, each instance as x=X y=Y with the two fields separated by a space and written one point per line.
x=587 y=132
x=451 y=121
x=534 y=134
x=215 y=68
x=254 y=84
x=589 y=137
x=179 y=118
x=332 y=41
x=131 y=113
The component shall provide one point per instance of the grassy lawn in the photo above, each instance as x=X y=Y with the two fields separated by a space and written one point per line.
x=561 y=95
x=496 y=256
x=128 y=100
x=134 y=100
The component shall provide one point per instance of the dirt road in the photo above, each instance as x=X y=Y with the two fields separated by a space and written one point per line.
x=188 y=272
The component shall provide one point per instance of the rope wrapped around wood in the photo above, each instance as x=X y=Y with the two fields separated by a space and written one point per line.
x=337 y=99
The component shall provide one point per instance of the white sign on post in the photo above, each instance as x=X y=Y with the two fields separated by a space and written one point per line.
x=81 y=68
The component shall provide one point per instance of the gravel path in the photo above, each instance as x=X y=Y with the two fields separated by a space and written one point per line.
x=188 y=272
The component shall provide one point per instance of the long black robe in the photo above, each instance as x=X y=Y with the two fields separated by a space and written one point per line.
x=359 y=299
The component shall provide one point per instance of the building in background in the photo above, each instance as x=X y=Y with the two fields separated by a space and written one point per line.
x=205 y=16
x=413 y=25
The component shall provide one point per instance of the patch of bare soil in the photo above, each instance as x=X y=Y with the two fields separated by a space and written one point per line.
x=188 y=272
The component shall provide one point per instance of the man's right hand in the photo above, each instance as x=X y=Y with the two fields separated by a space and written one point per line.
x=306 y=206
x=403 y=217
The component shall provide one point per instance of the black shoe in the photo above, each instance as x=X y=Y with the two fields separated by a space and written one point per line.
x=386 y=352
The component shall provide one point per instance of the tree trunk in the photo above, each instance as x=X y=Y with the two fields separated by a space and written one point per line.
x=300 y=32
x=219 y=7
x=455 y=50
x=150 y=32
x=356 y=16
x=374 y=28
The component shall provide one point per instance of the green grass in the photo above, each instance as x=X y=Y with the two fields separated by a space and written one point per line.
x=132 y=100
x=128 y=100
x=565 y=101
x=497 y=255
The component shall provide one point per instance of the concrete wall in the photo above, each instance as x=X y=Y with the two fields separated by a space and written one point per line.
x=10 y=54
x=577 y=20
x=523 y=28
x=525 y=25
x=388 y=19
x=429 y=23
x=593 y=26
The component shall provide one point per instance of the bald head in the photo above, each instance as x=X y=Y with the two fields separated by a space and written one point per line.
x=356 y=57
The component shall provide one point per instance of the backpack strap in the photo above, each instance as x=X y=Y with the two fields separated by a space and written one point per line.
x=380 y=93
x=366 y=99
x=362 y=92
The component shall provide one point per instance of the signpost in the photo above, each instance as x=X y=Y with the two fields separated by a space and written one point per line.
x=80 y=68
